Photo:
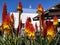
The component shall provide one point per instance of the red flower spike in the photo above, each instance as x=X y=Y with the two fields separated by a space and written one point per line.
x=19 y=27
x=28 y=25
x=7 y=20
x=4 y=12
x=19 y=6
x=12 y=18
x=44 y=28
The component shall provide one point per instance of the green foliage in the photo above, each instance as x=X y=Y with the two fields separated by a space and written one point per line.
x=18 y=40
x=9 y=40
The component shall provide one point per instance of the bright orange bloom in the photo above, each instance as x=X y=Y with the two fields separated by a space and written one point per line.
x=6 y=24
x=7 y=20
x=40 y=8
x=51 y=32
x=29 y=29
x=19 y=5
x=55 y=20
x=19 y=8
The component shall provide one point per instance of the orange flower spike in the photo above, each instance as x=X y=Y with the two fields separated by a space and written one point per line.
x=31 y=28
x=40 y=8
x=19 y=8
x=7 y=20
x=55 y=20
x=26 y=30
x=27 y=23
x=51 y=32
x=19 y=5
x=12 y=17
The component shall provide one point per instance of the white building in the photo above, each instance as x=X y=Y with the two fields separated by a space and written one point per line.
x=26 y=13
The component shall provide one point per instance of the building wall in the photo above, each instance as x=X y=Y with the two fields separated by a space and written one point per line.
x=23 y=18
x=16 y=19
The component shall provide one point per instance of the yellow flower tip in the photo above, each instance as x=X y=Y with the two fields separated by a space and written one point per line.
x=55 y=23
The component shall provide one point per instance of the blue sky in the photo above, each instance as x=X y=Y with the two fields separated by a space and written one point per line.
x=12 y=4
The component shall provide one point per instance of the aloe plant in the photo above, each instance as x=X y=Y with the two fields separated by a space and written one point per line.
x=8 y=40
